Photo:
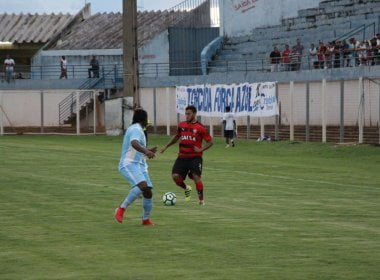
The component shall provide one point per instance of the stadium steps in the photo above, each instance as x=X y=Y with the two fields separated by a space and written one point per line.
x=332 y=19
x=85 y=109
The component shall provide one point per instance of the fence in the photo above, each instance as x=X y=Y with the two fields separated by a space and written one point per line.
x=115 y=71
x=326 y=111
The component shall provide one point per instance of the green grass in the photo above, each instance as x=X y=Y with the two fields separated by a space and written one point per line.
x=273 y=211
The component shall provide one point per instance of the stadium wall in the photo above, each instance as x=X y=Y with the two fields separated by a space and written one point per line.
x=23 y=108
x=236 y=14
x=155 y=51
x=166 y=103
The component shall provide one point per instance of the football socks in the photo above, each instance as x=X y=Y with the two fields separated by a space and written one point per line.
x=147 y=204
x=133 y=194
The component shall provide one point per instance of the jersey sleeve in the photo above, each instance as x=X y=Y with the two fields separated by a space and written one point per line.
x=135 y=134
x=206 y=135
x=179 y=130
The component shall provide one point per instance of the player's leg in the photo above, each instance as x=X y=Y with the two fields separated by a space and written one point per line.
x=179 y=173
x=227 y=138
x=147 y=201
x=232 y=138
x=196 y=173
x=134 y=176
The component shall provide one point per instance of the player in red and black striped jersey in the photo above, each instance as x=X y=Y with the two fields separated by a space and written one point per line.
x=191 y=134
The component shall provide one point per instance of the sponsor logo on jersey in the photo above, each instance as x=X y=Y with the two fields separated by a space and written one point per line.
x=188 y=137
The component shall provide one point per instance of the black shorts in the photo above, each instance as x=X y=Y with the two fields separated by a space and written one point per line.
x=183 y=166
x=229 y=134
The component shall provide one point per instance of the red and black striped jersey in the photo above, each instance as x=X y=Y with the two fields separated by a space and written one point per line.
x=191 y=135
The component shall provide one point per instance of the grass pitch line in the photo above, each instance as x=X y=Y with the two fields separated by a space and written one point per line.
x=293 y=178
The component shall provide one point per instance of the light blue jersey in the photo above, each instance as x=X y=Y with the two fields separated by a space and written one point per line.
x=130 y=156
x=133 y=164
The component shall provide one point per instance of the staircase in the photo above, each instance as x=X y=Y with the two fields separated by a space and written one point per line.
x=68 y=107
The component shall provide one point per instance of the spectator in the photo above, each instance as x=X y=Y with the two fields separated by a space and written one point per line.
x=372 y=52
x=346 y=54
x=321 y=55
x=329 y=54
x=94 y=63
x=275 y=58
x=9 y=65
x=63 y=67
x=294 y=60
x=377 y=49
x=362 y=53
x=298 y=48
x=313 y=56
x=354 y=46
x=337 y=54
x=286 y=58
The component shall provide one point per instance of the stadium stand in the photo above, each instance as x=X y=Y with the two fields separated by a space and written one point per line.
x=332 y=20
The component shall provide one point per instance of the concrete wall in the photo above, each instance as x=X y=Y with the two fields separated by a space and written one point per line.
x=24 y=108
x=78 y=62
x=165 y=104
x=239 y=17
x=155 y=51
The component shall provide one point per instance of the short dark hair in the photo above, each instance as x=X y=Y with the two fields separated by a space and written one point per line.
x=192 y=108
x=140 y=116
x=228 y=108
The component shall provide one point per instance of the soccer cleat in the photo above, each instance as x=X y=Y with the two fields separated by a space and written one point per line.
x=227 y=146
x=188 y=193
x=233 y=144
x=119 y=213
x=147 y=222
x=201 y=202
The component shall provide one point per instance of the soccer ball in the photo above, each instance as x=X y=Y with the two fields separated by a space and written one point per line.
x=169 y=198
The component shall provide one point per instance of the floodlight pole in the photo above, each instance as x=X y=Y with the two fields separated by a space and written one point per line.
x=130 y=50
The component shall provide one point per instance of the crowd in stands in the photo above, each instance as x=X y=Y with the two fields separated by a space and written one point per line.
x=335 y=54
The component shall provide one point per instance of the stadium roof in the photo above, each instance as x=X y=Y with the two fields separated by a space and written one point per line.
x=31 y=28
x=104 y=30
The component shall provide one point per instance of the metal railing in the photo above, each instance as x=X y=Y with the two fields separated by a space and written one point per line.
x=111 y=77
x=51 y=72
x=68 y=106
x=195 y=13
x=362 y=28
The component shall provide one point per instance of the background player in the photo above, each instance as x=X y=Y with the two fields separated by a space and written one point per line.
x=229 y=125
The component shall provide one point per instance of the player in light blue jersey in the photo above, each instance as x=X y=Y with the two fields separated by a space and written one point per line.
x=134 y=168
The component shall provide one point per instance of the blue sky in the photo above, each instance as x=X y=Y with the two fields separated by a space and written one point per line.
x=73 y=6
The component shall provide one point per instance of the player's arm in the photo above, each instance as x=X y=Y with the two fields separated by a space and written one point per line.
x=204 y=148
x=148 y=152
x=171 y=142
x=153 y=149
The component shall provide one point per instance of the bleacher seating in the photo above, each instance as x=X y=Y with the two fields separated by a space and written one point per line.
x=332 y=19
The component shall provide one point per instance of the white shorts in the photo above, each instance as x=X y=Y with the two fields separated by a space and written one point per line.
x=136 y=174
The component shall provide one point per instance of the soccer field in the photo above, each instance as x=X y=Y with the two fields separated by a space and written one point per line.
x=276 y=210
